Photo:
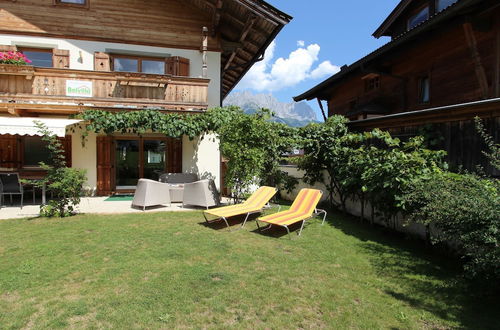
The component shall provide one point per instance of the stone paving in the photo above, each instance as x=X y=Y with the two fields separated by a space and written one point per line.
x=88 y=205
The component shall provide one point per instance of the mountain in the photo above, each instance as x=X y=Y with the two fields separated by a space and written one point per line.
x=293 y=114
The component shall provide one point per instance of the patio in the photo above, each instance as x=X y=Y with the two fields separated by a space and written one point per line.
x=96 y=205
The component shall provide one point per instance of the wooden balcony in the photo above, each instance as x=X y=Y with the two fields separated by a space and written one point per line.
x=32 y=89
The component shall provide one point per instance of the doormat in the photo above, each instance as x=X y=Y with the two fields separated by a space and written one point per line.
x=119 y=198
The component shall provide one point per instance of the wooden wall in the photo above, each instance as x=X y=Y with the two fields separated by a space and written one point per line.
x=464 y=146
x=443 y=55
x=168 y=23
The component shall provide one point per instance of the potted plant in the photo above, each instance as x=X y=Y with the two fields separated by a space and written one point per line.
x=15 y=63
x=11 y=57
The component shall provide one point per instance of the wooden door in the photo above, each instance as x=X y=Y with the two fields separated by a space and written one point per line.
x=174 y=155
x=9 y=156
x=105 y=165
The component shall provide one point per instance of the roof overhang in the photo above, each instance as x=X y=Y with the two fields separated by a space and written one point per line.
x=27 y=125
x=386 y=24
x=454 y=112
x=246 y=28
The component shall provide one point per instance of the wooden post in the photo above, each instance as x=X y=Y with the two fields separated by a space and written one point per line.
x=204 y=48
x=321 y=107
x=476 y=58
x=497 y=69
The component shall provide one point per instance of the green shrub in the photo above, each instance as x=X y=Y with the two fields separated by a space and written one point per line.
x=63 y=182
x=465 y=209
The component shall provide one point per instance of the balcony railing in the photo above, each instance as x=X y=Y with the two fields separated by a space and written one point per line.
x=28 y=84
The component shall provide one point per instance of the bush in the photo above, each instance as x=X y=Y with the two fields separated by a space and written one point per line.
x=63 y=182
x=254 y=147
x=465 y=209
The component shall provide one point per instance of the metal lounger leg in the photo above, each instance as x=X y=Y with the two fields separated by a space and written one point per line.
x=302 y=227
x=319 y=211
x=288 y=231
x=245 y=221
x=227 y=224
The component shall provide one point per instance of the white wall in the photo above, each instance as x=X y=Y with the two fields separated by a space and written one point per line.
x=82 y=56
x=202 y=156
x=353 y=207
x=84 y=156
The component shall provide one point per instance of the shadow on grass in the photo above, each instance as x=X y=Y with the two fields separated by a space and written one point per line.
x=420 y=276
x=234 y=222
x=277 y=231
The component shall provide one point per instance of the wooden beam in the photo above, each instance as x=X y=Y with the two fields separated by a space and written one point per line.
x=246 y=29
x=322 y=109
x=497 y=69
x=216 y=17
x=476 y=59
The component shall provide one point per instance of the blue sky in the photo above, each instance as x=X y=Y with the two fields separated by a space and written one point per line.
x=323 y=35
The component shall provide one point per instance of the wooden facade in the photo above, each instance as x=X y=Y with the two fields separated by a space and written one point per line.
x=27 y=88
x=433 y=73
x=240 y=30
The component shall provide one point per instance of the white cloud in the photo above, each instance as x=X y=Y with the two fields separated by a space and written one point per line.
x=269 y=75
x=324 y=69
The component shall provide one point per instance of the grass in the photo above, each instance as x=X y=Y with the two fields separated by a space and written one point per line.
x=164 y=270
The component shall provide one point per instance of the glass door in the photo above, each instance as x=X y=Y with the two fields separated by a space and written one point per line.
x=127 y=153
x=154 y=158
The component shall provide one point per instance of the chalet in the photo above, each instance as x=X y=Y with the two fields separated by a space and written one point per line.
x=440 y=70
x=119 y=55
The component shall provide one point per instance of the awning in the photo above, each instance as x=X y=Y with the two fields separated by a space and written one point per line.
x=26 y=125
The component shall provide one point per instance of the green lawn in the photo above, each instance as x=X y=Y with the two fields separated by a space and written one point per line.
x=164 y=270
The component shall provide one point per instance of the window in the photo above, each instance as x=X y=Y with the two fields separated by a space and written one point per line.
x=418 y=18
x=79 y=3
x=372 y=84
x=138 y=64
x=442 y=4
x=424 y=89
x=35 y=151
x=38 y=56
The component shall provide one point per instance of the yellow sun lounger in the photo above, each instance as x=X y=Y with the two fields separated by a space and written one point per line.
x=303 y=208
x=254 y=204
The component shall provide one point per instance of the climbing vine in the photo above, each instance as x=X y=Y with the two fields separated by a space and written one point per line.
x=253 y=144
x=170 y=124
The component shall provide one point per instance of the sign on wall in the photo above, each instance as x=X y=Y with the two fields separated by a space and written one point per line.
x=79 y=88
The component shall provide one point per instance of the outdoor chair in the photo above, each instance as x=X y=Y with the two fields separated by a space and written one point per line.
x=11 y=185
x=151 y=193
x=303 y=208
x=176 y=182
x=254 y=204
x=200 y=193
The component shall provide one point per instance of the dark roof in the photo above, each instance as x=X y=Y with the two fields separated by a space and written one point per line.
x=384 y=50
x=391 y=18
x=250 y=25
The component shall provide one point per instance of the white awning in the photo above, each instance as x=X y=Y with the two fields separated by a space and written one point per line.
x=26 y=125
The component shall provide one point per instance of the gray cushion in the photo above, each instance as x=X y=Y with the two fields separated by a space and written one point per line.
x=176 y=178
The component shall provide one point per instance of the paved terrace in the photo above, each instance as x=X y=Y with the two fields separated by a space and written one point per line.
x=89 y=205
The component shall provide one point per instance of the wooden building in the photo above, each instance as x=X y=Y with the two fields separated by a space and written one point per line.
x=121 y=55
x=440 y=70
